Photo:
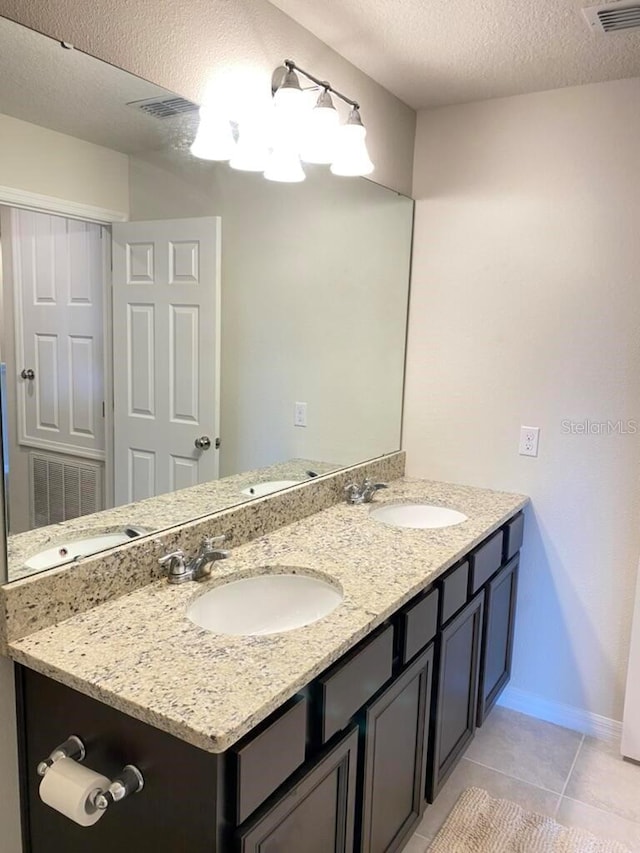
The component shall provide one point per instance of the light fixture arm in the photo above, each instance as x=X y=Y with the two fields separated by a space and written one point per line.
x=324 y=84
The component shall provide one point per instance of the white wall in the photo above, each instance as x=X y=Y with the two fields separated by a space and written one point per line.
x=45 y=162
x=314 y=293
x=188 y=45
x=525 y=309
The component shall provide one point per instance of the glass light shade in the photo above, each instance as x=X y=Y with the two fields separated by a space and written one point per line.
x=320 y=137
x=352 y=158
x=251 y=151
x=284 y=165
x=289 y=98
x=214 y=139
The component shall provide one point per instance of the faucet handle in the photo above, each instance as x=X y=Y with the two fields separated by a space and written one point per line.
x=174 y=555
x=177 y=567
x=210 y=543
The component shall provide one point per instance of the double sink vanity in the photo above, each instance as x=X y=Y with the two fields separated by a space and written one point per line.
x=346 y=658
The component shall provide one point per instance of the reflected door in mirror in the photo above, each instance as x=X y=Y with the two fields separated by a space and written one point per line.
x=166 y=295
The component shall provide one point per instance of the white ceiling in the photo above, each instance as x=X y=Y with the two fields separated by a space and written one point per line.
x=435 y=52
x=73 y=93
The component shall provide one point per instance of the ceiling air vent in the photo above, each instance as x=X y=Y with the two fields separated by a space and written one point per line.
x=613 y=17
x=168 y=107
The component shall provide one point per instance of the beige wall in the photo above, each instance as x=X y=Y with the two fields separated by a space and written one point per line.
x=314 y=293
x=188 y=45
x=38 y=160
x=525 y=309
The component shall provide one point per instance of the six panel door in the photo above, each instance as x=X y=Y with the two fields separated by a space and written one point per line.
x=166 y=294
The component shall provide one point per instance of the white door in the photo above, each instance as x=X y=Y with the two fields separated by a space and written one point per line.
x=166 y=354
x=58 y=273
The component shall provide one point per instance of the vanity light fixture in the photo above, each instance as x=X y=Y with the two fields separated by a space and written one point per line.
x=322 y=139
x=297 y=132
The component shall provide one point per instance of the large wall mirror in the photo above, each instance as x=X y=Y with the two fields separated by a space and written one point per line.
x=176 y=337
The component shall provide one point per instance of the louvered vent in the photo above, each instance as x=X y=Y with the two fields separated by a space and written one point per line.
x=164 y=107
x=61 y=489
x=613 y=17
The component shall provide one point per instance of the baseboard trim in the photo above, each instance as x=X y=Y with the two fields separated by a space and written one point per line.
x=568 y=716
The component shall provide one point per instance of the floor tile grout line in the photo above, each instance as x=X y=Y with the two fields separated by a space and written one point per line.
x=511 y=776
x=603 y=811
x=571 y=769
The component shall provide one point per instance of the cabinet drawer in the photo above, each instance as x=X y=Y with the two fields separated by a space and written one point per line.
x=264 y=762
x=418 y=625
x=347 y=686
x=513 y=535
x=486 y=561
x=454 y=591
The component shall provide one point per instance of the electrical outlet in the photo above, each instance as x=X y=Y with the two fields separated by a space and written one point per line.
x=300 y=415
x=529 y=441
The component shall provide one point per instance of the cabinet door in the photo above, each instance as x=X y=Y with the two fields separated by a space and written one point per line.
x=395 y=730
x=457 y=692
x=497 y=643
x=316 y=812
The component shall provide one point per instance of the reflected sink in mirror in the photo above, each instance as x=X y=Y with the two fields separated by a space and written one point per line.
x=265 y=604
x=67 y=552
x=259 y=490
x=424 y=516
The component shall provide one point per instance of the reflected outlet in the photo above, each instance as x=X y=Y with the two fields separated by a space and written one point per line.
x=300 y=415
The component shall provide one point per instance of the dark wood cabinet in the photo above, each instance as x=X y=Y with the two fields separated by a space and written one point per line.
x=345 y=765
x=497 y=642
x=394 y=733
x=178 y=808
x=316 y=811
x=456 y=692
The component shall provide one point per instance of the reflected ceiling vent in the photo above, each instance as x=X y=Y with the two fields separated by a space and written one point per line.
x=613 y=17
x=167 y=107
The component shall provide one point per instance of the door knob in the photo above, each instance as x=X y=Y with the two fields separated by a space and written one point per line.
x=203 y=443
x=28 y=373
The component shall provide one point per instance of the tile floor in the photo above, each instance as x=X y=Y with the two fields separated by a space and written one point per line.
x=576 y=779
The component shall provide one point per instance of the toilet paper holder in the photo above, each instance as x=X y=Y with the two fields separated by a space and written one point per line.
x=129 y=781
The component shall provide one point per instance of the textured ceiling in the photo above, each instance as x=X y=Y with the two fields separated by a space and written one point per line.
x=435 y=52
x=73 y=93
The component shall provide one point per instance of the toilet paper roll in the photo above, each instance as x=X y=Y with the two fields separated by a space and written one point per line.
x=68 y=788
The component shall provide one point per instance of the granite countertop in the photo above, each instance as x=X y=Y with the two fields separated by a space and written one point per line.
x=140 y=654
x=156 y=513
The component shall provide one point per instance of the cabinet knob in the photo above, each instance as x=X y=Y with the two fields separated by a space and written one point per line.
x=28 y=373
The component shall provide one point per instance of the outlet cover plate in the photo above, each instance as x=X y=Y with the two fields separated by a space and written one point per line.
x=529 y=438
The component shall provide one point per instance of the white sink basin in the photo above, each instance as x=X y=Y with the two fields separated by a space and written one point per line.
x=66 y=552
x=259 y=490
x=417 y=515
x=264 y=604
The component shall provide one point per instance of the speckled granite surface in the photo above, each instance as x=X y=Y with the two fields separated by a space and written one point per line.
x=43 y=599
x=140 y=654
x=157 y=513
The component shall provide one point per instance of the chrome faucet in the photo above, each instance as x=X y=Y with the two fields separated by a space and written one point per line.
x=362 y=494
x=179 y=570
